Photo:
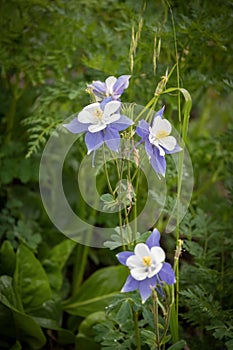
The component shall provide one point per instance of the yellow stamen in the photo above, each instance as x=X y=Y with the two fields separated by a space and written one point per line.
x=147 y=261
x=161 y=134
x=98 y=114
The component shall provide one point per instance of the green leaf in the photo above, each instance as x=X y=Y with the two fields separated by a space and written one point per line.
x=178 y=346
x=107 y=197
x=23 y=327
x=7 y=259
x=97 y=291
x=85 y=328
x=55 y=262
x=30 y=279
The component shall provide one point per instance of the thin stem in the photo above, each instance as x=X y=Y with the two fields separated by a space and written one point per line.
x=136 y=329
x=106 y=173
x=155 y=311
x=148 y=105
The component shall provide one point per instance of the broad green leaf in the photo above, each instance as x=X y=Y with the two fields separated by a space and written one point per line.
x=7 y=259
x=61 y=252
x=97 y=291
x=54 y=264
x=23 y=327
x=30 y=279
x=178 y=346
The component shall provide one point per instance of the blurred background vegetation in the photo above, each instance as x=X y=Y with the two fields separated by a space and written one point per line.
x=49 y=51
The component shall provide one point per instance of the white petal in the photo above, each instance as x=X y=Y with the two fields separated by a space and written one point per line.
x=141 y=250
x=161 y=150
x=86 y=117
x=96 y=127
x=111 y=107
x=112 y=118
x=134 y=261
x=92 y=107
x=168 y=142
x=160 y=124
x=110 y=81
x=155 y=270
x=139 y=273
x=158 y=255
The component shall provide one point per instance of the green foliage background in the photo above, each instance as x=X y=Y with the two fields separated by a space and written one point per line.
x=49 y=51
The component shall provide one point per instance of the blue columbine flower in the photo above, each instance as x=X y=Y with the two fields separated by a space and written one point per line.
x=102 y=123
x=148 y=268
x=111 y=89
x=158 y=141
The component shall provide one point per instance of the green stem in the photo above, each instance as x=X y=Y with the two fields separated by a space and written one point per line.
x=155 y=311
x=106 y=173
x=136 y=329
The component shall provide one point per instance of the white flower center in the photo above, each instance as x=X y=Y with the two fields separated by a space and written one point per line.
x=145 y=263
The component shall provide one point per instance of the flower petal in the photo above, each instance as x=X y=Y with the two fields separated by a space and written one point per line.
x=99 y=88
x=149 y=149
x=139 y=273
x=112 y=138
x=158 y=254
x=134 y=261
x=86 y=117
x=168 y=142
x=176 y=149
x=123 y=256
x=167 y=274
x=145 y=287
x=160 y=124
x=143 y=129
x=122 y=123
x=96 y=127
x=93 y=140
x=109 y=119
x=160 y=112
x=111 y=107
x=120 y=85
x=141 y=250
x=158 y=162
x=75 y=126
x=110 y=81
x=153 y=239
x=130 y=284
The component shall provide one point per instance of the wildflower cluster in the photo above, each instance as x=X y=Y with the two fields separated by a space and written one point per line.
x=102 y=122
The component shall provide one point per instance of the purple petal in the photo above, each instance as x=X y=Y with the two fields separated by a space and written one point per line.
x=145 y=287
x=130 y=285
x=167 y=274
x=122 y=123
x=75 y=126
x=120 y=85
x=149 y=149
x=93 y=140
x=160 y=112
x=153 y=239
x=123 y=256
x=158 y=162
x=143 y=129
x=105 y=101
x=176 y=149
x=99 y=88
x=112 y=138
